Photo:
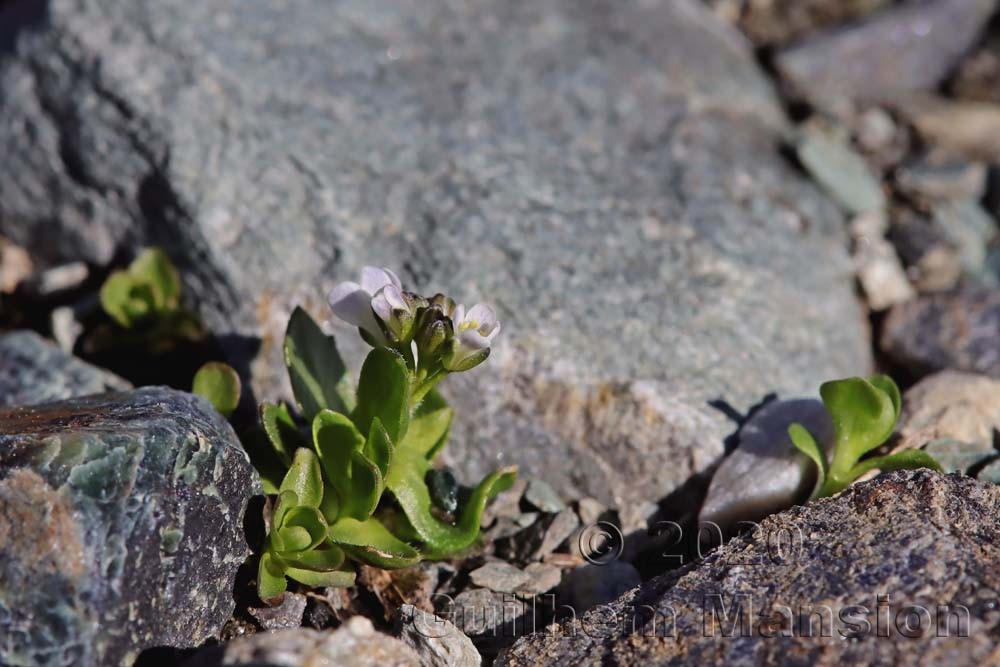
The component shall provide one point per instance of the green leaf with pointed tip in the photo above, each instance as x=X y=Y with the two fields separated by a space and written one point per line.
x=805 y=443
x=370 y=542
x=281 y=430
x=336 y=439
x=303 y=518
x=378 y=446
x=863 y=417
x=314 y=367
x=220 y=384
x=264 y=458
x=887 y=385
x=114 y=297
x=908 y=459
x=329 y=557
x=270 y=578
x=304 y=478
x=155 y=269
x=317 y=579
x=429 y=426
x=384 y=392
x=406 y=482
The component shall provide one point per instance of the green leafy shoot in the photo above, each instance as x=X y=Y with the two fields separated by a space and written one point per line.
x=297 y=543
x=864 y=414
x=356 y=463
x=145 y=301
x=220 y=384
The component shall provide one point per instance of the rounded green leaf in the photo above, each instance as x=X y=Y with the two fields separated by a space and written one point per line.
x=271 y=582
x=115 y=296
x=281 y=431
x=155 y=269
x=321 y=579
x=307 y=519
x=369 y=541
x=863 y=416
x=220 y=384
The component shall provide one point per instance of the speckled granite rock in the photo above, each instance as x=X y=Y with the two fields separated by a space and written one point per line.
x=957 y=330
x=890 y=56
x=121 y=526
x=355 y=644
x=918 y=539
x=33 y=370
x=608 y=174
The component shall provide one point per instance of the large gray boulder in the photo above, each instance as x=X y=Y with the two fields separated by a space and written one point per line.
x=900 y=570
x=121 y=526
x=607 y=174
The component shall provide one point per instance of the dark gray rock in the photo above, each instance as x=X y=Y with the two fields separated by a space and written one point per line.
x=121 y=526
x=609 y=175
x=437 y=641
x=916 y=548
x=957 y=330
x=354 y=644
x=889 y=57
x=33 y=371
x=766 y=473
x=540 y=538
x=597 y=584
x=286 y=615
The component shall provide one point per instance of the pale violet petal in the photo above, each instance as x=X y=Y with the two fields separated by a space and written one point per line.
x=393 y=278
x=459 y=316
x=484 y=317
x=373 y=279
x=350 y=302
x=472 y=340
x=493 y=334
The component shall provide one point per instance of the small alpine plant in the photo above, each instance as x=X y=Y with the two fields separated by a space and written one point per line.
x=864 y=413
x=352 y=466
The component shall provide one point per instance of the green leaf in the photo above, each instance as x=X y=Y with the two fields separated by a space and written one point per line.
x=302 y=520
x=329 y=557
x=264 y=458
x=429 y=426
x=331 y=579
x=155 y=269
x=314 y=366
x=863 y=417
x=908 y=459
x=304 y=478
x=220 y=384
x=115 y=296
x=406 y=482
x=370 y=542
x=805 y=443
x=281 y=430
x=384 y=392
x=270 y=578
x=378 y=447
x=356 y=480
x=887 y=385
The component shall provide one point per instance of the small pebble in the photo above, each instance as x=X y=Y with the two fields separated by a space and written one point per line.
x=500 y=577
x=543 y=497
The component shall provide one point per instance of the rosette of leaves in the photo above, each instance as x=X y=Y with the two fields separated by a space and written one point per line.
x=144 y=301
x=297 y=545
x=375 y=446
x=864 y=414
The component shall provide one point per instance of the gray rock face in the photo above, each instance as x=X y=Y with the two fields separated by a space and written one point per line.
x=34 y=371
x=900 y=570
x=355 y=644
x=607 y=175
x=889 y=57
x=121 y=526
x=957 y=330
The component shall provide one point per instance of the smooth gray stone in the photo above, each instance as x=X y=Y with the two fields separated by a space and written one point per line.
x=354 y=644
x=499 y=576
x=766 y=473
x=991 y=473
x=608 y=175
x=121 y=526
x=33 y=371
x=840 y=171
x=820 y=584
x=951 y=406
x=958 y=456
x=437 y=641
x=893 y=54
